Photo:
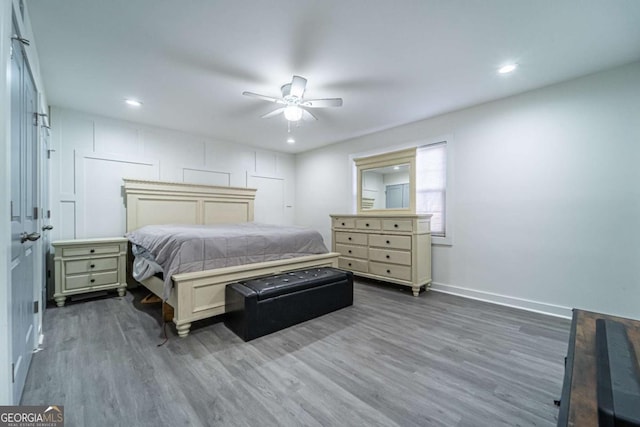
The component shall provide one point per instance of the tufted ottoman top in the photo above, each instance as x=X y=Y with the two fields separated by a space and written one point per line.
x=293 y=281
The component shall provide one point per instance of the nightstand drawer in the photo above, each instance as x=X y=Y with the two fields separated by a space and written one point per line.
x=387 y=255
x=368 y=224
x=351 y=238
x=344 y=223
x=90 y=250
x=390 y=241
x=89 y=265
x=91 y=280
x=397 y=225
x=390 y=270
x=353 y=264
x=352 y=251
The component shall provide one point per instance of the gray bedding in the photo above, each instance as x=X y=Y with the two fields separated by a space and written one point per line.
x=189 y=248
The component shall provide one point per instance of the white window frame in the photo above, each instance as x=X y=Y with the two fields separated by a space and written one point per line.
x=447 y=239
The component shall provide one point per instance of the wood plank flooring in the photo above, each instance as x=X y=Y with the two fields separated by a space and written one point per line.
x=390 y=360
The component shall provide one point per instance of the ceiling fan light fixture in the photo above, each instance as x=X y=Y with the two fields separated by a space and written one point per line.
x=293 y=113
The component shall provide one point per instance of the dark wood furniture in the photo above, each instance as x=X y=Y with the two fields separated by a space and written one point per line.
x=579 y=401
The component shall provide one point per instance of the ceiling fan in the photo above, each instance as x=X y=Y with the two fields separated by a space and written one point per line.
x=295 y=106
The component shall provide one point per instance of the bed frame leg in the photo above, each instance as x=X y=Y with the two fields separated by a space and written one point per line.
x=183 y=329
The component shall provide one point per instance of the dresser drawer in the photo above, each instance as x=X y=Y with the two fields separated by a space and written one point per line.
x=91 y=280
x=344 y=223
x=397 y=225
x=392 y=271
x=352 y=251
x=389 y=241
x=89 y=265
x=368 y=224
x=90 y=250
x=351 y=238
x=353 y=264
x=391 y=256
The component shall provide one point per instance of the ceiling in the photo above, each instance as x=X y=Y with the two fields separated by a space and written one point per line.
x=393 y=62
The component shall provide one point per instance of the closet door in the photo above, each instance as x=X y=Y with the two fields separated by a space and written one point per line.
x=23 y=216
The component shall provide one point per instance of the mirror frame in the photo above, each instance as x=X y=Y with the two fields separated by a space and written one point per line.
x=389 y=159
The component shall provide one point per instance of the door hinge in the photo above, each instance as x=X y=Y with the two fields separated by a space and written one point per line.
x=11 y=210
x=35 y=212
x=21 y=40
x=48 y=274
x=44 y=116
x=49 y=153
x=13 y=372
x=48 y=213
x=36 y=307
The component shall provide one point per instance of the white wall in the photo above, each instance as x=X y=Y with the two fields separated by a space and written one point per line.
x=546 y=195
x=94 y=153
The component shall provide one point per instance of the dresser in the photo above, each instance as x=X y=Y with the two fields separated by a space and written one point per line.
x=391 y=248
x=89 y=265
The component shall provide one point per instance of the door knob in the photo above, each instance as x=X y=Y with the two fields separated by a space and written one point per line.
x=47 y=227
x=32 y=237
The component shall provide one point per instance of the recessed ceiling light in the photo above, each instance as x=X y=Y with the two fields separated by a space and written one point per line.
x=507 y=68
x=133 y=102
x=290 y=140
x=395 y=168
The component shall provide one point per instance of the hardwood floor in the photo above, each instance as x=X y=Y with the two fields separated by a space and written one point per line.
x=390 y=360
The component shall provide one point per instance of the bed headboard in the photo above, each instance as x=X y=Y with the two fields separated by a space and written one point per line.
x=157 y=202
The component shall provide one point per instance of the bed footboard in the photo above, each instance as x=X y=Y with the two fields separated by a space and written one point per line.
x=201 y=295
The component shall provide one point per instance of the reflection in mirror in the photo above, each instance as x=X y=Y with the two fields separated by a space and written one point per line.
x=386 y=187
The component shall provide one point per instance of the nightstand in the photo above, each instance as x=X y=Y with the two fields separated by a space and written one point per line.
x=89 y=265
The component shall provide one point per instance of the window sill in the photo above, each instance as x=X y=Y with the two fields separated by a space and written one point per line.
x=441 y=241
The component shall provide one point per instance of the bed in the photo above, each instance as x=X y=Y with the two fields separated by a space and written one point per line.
x=200 y=295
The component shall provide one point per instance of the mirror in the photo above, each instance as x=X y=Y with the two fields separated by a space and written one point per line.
x=386 y=187
x=386 y=182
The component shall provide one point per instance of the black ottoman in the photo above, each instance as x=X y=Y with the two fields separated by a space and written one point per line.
x=264 y=305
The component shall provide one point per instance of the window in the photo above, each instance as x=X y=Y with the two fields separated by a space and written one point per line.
x=431 y=185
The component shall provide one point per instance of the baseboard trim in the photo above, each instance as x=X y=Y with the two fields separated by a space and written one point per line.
x=520 y=303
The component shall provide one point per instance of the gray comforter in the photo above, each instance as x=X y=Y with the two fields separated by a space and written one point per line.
x=189 y=248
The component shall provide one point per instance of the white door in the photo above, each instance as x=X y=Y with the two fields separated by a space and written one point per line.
x=269 y=203
x=23 y=215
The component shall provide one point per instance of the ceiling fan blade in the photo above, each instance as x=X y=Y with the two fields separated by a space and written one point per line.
x=322 y=103
x=264 y=97
x=306 y=115
x=298 y=85
x=273 y=113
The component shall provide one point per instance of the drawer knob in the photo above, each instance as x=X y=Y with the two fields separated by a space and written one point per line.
x=388 y=271
x=343 y=224
x=92 y=251
x=349 y=250
x=388 y=242
x=92 y=280
x=395 y=225
x=93 y=266
x=388 y=257
x=349 y=238
x=367 y=224
x=349 y=264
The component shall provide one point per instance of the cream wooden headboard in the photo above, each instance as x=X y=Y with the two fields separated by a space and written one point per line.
x=156 y=202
